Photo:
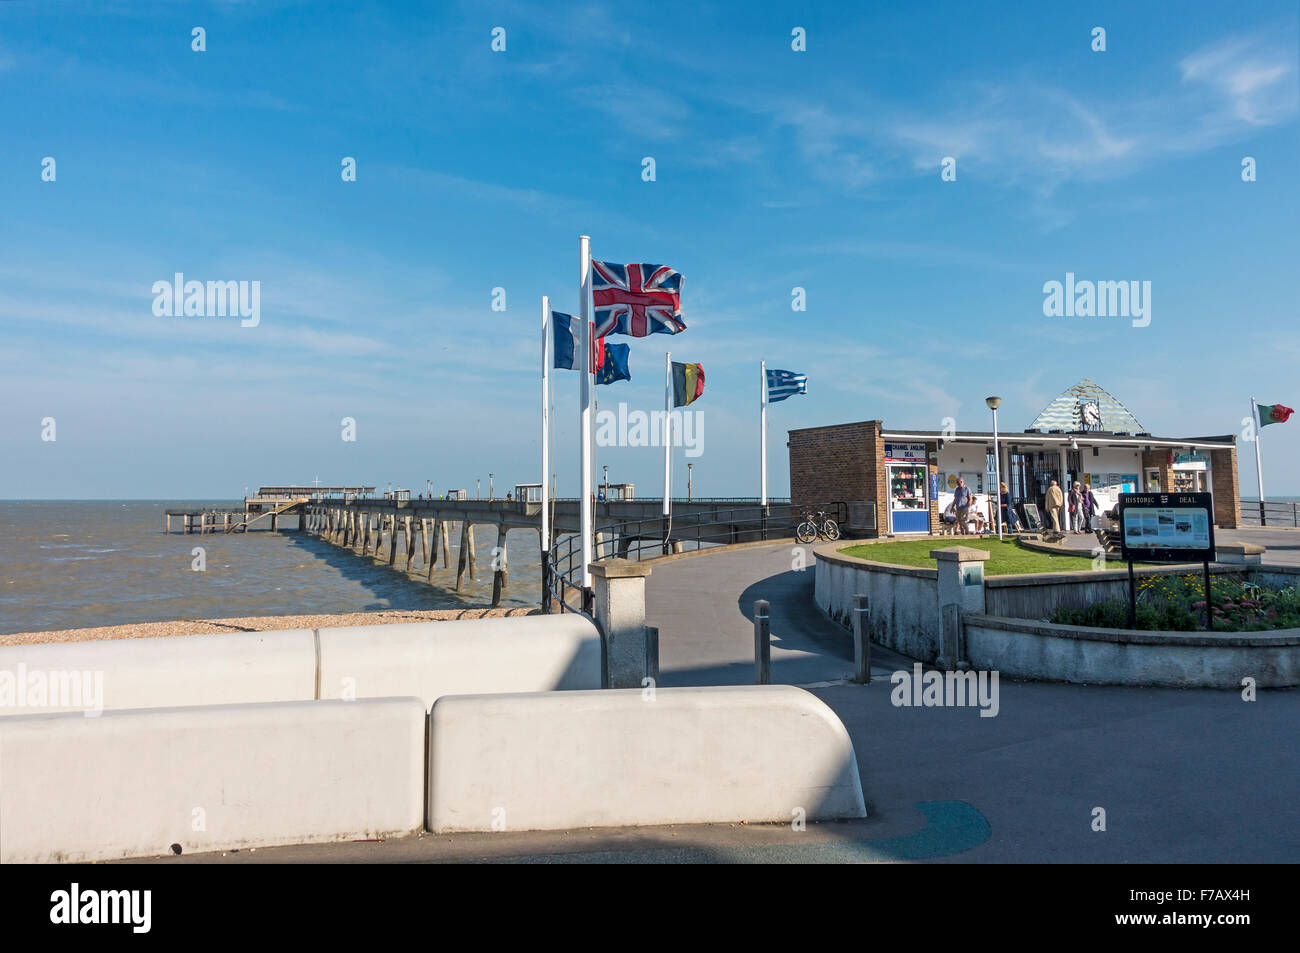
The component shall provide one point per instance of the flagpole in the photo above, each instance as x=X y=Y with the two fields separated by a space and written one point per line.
x=668 y=440
x=546 y=453
x=584 y=489
x=1259 y=467
x=762 y=422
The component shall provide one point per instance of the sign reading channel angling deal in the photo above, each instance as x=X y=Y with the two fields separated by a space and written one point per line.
x=1168 y=527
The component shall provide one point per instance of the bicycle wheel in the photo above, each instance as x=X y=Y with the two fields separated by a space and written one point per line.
x=806 y=533
x=831 y=530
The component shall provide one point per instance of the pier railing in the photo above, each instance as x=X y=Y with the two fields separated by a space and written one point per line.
x=1270 y=513
x=652 y=538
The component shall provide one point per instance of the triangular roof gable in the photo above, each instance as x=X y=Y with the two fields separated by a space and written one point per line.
x=1063 y=412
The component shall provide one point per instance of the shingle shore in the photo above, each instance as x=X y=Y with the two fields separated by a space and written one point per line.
x=151 y=630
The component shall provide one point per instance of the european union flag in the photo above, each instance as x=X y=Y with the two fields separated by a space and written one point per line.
x=614 y=367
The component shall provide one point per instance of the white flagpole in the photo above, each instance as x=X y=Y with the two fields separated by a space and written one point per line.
x=546 y=436
x=762 y=422
x=585 y=503
x=1259 y=467
x=668 y=432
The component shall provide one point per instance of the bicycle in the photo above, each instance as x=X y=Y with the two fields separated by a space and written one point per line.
x=817 y=525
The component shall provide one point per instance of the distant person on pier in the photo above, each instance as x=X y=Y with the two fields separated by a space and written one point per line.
x=510 y=497
x=1055 y=503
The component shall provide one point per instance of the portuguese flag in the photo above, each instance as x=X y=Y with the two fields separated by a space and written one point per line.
x=688 y=383
x=1273 y=414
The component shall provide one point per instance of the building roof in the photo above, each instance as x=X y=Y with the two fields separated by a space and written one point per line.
x=1063 y=412
x=1034 y=438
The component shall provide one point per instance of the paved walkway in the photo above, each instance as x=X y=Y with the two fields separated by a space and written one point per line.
x=1183 y=774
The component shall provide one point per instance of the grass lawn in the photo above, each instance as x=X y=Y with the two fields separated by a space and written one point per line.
x=1007 y=556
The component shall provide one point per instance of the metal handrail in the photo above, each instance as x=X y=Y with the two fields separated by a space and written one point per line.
x=1269 y=513
x=641 y=539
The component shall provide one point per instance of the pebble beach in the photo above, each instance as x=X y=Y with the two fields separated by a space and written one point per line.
x=152 y=630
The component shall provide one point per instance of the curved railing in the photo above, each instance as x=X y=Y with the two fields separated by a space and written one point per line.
x=640 y=539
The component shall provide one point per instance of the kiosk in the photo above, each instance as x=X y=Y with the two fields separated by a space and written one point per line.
x=907 y=481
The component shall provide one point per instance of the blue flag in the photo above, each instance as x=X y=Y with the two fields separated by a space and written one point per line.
x=783 y=384
x=614 y=367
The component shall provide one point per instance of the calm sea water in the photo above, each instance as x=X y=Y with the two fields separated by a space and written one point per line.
x=66 y=565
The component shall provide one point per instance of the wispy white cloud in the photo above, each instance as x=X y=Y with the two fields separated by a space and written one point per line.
x=1255 y=79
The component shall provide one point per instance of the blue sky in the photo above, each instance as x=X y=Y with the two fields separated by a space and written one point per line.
x=479 y=169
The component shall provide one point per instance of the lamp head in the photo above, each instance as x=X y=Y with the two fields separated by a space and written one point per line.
x=993 y=402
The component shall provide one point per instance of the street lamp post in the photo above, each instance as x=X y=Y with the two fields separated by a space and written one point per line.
x=489 y=487
x=478 y=488
x=606 y=469
x=689 y=468
x=993 y=404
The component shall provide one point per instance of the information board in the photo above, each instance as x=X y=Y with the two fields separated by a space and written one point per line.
x=1168 y=527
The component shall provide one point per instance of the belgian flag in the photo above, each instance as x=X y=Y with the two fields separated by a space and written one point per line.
x=688 y=383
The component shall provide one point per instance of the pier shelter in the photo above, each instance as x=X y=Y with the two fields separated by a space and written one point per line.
x=897 y=480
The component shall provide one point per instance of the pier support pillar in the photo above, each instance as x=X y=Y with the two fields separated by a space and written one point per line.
x=169 y=522
x=500 y=572
x=425 y=547
x=410 y=542
x=392 y=539
x=466 y=553
x=436 y=526
x=446 y=544
x=275 y=524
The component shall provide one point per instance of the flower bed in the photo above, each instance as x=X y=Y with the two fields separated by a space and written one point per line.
x=1177 y=604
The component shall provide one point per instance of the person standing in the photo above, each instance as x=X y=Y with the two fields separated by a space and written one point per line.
x=1055 y=502
x=1009 y=519
x=1075 y=504
x=961 y=498
x=1090 y=507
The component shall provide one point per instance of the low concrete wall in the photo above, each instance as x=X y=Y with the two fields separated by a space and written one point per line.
x=1038 y=595
x=222 y=669
x=564 y=760
x=1021 y=648
x=431 y=659
x=132 y=783
x=904 y=602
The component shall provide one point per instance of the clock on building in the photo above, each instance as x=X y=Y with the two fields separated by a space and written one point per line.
x=1090 y=415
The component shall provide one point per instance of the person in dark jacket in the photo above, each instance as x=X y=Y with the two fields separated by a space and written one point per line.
x=1009 y=519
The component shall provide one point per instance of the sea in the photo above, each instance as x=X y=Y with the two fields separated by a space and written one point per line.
x=74 y=564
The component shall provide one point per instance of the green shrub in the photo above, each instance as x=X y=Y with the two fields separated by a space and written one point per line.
x=1177 y=604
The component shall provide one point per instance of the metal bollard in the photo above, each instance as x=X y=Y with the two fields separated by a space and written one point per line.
x=861 y=640
x=762 y=643
x=652 y=653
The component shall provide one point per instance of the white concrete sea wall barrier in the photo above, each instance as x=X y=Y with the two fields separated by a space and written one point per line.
x=432 y=659
x=628 y=757
x=224 y=669
x=132 y=783
x=421 y=659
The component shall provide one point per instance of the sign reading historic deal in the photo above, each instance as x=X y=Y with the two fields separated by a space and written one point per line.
x=1168 y=527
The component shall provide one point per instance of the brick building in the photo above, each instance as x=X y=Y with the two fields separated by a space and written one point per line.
x=897 y=480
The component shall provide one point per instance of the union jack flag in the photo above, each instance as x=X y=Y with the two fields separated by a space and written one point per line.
x=636 y=299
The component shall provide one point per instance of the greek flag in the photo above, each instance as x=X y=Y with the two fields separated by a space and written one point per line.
x=783 y=384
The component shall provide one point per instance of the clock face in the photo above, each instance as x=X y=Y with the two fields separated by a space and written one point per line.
x=1091 y=414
